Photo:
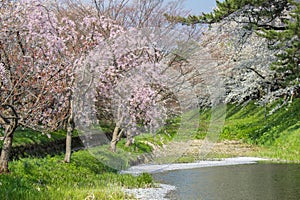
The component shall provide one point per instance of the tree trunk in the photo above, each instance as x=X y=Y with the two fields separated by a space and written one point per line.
x=114 y=139
x=11 y=123
x=70 y=130
x=68 y=144
x=6 y=149
x=128 y=143
x=129 y=139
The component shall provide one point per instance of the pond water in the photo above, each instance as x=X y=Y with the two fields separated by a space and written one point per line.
x=242 y=182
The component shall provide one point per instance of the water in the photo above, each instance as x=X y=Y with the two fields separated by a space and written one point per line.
x=241 y=182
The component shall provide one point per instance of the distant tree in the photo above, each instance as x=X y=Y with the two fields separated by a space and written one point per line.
x=137 y=109
x=276 y=22
x=255 y=12
x=140 y=13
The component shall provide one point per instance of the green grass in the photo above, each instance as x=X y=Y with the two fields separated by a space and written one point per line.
x=204 y=122
x=278 y=133
x=163 y=136
x=50 y=178
x=286 y=147
x=249 y=122
x=27 y=136
x=86 y=176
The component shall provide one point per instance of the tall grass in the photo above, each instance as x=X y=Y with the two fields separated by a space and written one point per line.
x=50 y=178
x=278 y=133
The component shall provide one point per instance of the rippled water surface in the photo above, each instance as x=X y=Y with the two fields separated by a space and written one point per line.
x=251 y=181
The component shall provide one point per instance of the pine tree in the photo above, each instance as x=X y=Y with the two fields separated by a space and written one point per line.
x=288 y=40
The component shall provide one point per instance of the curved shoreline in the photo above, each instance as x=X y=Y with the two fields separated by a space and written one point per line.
x=157 y=168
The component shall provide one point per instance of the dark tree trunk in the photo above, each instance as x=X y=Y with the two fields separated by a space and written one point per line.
x=5 y=153
x=10 y=125
x=6 y=148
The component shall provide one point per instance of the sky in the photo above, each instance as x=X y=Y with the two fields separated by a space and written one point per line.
x=199 y=6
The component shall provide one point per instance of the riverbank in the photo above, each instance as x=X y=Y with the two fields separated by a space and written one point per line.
x=157 y=168
x=270 y=131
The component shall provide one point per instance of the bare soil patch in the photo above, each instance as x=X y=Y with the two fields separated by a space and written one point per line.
x=194 y=150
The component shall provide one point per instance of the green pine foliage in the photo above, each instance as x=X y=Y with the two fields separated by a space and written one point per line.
x=227 y=7
x=223 y=10
x=288 y=40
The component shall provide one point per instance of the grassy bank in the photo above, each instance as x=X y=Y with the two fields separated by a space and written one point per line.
x=275 y=129
x=86 y=177
x=50 y=178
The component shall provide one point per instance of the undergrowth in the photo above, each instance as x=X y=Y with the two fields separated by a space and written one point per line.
x=278 y=132
x=50 y=178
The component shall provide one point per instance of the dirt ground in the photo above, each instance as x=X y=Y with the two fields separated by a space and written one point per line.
x=227 y=147
x=201 y=150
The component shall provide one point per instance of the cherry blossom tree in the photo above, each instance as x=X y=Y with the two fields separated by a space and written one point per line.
x=136 y=109
x=41 y=48
x=33 y=78
x=137 y=68
x=55 y=57
x=90 y=30
x=114 y=58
